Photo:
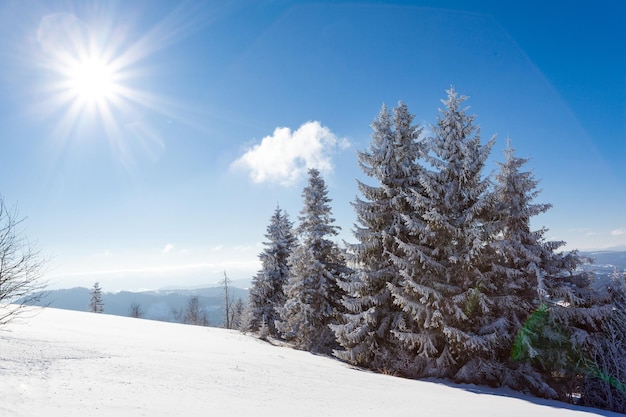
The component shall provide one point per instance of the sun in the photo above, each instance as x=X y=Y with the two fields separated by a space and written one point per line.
x=97 y=79
x=92 y=80
x=88 y=70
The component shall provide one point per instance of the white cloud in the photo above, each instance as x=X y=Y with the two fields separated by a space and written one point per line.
x=583 y=230
x=168 y=248
x=618 y=232
x=285 y=156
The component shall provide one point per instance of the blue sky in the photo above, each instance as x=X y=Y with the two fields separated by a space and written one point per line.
x=164 y=167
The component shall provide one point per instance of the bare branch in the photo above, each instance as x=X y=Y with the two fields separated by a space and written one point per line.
x=21 y=267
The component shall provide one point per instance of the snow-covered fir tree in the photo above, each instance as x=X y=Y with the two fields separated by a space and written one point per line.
x=96 y=305
x=266 y=293
x=238 y=315
x=548 y=308
x=517 y=258
x=370 y=313
x=313 y=298
x=442 y=285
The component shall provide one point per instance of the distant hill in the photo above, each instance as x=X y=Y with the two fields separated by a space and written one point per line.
x=164 y=304
x=604 y=264
x=156 y=305
x=608 y=259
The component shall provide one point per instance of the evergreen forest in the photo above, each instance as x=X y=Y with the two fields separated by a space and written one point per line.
x=446 y=277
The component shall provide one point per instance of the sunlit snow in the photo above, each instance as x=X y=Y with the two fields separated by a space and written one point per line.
x=62 y=363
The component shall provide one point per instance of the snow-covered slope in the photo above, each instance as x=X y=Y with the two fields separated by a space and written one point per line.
x=64 y=363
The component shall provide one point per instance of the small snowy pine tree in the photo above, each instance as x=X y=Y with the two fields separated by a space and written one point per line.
x=238 y=314
x=96 y=305
x=266 y=293
x=313 y=298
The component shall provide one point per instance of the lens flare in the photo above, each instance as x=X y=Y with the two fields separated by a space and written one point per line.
x=529 y=335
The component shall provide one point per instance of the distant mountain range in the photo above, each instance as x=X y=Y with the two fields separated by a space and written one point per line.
x=163 y=305
x=166 y=304
x=604 y=264
x=608 y=259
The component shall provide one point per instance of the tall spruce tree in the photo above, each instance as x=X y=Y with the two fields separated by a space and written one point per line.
x=370 y=313
x=442 y=284
x=550 y=311
x=517 y=259
x=313 y=298
x=266 y=293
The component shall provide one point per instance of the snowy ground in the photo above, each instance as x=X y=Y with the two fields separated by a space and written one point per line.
x=64 y=363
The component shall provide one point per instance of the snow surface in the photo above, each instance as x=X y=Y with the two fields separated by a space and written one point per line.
x=67 y=363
